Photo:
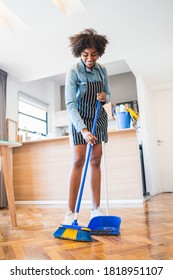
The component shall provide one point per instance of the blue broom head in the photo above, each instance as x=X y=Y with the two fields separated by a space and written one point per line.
x=105 y=225
x=71 y=232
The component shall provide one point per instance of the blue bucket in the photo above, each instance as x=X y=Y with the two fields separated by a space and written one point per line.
x=123 y=120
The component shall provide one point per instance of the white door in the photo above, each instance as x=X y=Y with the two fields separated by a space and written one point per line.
x=163 y=102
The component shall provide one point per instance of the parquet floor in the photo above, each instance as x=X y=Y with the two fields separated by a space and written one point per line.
x=146 y=234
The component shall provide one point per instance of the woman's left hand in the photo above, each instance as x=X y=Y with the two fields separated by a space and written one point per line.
x=101 y=96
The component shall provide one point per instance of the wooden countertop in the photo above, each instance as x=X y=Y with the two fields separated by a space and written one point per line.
x=59 y=138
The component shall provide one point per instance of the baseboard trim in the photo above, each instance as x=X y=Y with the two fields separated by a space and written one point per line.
x=84 y=202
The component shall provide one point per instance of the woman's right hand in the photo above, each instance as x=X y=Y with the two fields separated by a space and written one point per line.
x=88 y=136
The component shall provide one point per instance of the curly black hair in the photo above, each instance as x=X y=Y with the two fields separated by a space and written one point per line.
x=88 y=38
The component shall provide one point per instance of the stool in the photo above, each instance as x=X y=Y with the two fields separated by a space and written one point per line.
x=7 y=170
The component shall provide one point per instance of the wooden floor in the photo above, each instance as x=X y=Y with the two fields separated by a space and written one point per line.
x=146 y=234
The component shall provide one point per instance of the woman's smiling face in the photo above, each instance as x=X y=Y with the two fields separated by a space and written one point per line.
x=89 y=57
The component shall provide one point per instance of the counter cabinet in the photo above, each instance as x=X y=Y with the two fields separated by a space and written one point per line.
x=41 y=169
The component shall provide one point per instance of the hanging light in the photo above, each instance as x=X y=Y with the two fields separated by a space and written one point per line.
x=10 y=21
x=69 y=7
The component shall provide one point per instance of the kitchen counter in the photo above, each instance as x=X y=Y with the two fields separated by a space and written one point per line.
x=46 y=140
x=116 y=131
x=41 y=169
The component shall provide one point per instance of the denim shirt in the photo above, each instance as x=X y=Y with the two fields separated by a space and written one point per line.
x=75 y=88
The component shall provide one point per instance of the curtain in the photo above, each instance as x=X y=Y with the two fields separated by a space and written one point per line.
x=3 y=81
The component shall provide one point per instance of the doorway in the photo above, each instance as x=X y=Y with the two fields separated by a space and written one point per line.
x=163 y=101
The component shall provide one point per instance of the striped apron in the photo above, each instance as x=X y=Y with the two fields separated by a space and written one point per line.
x=86 y=107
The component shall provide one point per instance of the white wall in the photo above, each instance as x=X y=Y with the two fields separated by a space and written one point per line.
x=148 y=136
x=44 y=90
x=123 y=87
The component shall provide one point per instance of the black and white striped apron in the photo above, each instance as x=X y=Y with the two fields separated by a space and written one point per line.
x=86 y=107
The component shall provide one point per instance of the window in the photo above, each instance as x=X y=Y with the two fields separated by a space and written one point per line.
x=32 y=116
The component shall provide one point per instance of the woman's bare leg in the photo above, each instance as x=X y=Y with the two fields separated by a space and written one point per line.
x=78 y=160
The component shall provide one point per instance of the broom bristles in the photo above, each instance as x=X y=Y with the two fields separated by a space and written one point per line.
x=72 y=233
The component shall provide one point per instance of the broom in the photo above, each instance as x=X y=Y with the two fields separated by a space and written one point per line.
x=75 y=232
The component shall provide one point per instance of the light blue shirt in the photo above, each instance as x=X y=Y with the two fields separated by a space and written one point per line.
x=75 y=88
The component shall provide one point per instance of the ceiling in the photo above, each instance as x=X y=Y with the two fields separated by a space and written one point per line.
x=140 y=36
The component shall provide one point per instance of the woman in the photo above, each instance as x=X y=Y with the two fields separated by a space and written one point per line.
x=86 y=82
